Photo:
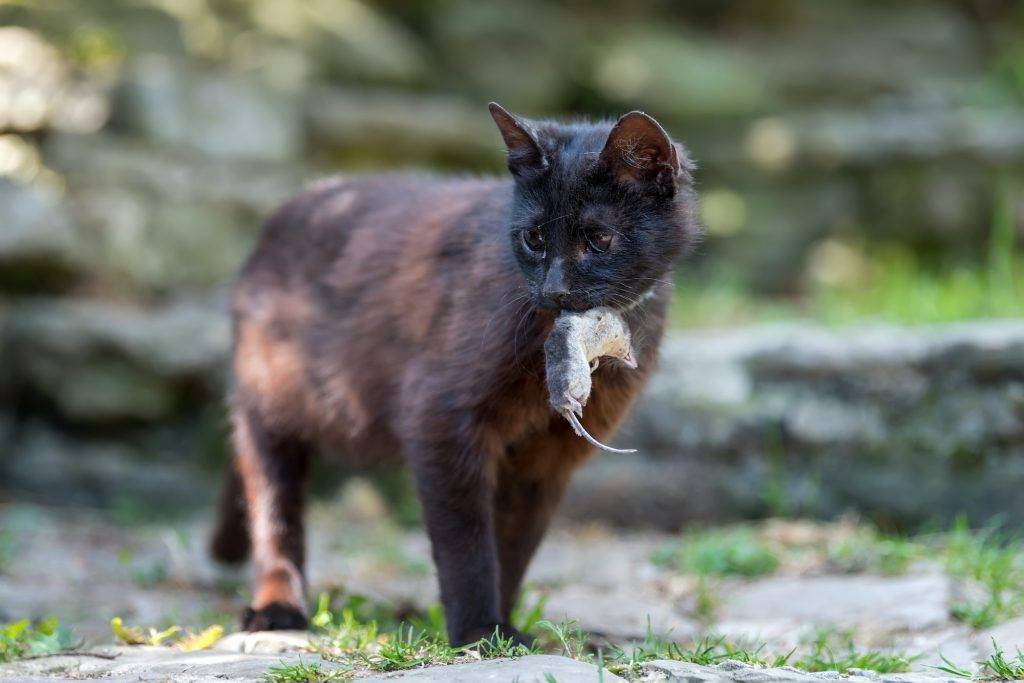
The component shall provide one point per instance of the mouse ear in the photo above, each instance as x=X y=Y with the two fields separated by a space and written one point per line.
x=525 y=155
x=640 y=154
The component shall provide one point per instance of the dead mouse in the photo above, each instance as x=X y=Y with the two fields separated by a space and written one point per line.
x=571 y=353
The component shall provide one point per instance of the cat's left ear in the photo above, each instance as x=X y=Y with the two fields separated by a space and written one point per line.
x=640 y=154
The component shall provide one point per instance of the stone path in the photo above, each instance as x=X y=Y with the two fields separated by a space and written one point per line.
x=85 y=569
x=163 y=664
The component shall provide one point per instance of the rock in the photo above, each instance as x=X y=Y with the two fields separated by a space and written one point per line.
x=138 y=470
x=679 y=672
x=101 y=164
x=875 y=604
x=669 y=671
x=631 y=70
x=38 y=244
x=156 y=663
x=167 y=664
x=39 y=89
x=402 y=127
x=618 y=614
x=895 y=422
x=532 y=668
x=264 y=642
x=489 y=44
x=97 y=362
x=218 y=114
x=1009 y=636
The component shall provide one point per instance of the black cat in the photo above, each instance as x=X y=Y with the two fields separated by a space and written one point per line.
x=402 y=316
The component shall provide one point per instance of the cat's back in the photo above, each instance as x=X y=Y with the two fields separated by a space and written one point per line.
x=369 y=221
x=353 y=279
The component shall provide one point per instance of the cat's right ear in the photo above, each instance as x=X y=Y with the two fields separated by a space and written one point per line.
x=525 y=156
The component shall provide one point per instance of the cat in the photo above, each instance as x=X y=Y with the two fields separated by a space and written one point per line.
x=402 y=317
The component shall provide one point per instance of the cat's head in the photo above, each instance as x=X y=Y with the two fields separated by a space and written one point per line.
x=601 y=211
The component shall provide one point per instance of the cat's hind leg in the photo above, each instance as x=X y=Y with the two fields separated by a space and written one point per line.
x=230 y=542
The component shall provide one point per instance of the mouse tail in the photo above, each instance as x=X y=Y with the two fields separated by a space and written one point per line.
x=580 y=431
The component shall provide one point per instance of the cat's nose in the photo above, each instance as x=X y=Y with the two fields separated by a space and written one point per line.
x=555 y=290
x=554 y=298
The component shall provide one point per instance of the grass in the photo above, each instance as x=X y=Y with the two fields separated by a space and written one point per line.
x=888 y=282
x=870 y=550
x=23 y=638
x=409 y=648
x=303 y=672
x=732 y=551
x=998 y=668
x=989 y=562
x=834 y=650
x=828 y=650
x=994 y=668
x=994 y=563
x=364 y=635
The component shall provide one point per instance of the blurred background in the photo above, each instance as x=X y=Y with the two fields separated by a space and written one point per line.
x=844 y=339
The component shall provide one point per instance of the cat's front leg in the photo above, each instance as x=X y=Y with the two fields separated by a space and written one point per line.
x=455 y=482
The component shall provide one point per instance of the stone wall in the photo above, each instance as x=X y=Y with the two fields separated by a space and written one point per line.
x=113 y=405
x=141 y=147
x=907 y=426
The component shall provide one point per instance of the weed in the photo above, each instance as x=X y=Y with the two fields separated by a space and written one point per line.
x=720 y=552
x=993 y=561
x=707 y=651
x=22 y=638
x=408 y=648
x=869 y=550
x=303 y=672
x=568 y=635
x=995 y=668
x=952 y=669
x=890 y=282
x=706 y=598
x=834 y=650
x=500 y=646
x=998 y=668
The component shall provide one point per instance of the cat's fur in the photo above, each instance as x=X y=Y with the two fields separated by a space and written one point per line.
x=403 y=317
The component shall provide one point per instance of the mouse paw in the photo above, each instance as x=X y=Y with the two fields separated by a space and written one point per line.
x=568 y=403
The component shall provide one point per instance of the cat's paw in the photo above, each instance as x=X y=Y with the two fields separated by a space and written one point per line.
x=276 y=616
x=505 y=631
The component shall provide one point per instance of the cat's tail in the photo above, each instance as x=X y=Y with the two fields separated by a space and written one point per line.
x=230 y=542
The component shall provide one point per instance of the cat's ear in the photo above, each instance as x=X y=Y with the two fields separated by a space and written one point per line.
x=525 y=155
x=640 y=154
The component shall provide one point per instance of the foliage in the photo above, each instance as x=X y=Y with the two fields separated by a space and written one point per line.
x=834 y=650
x=996 y=667
x=890 y=282
x=353 y=635
x=173 y=635
x=303 y=672
x=993 y=561
x=22 y=638
x=870 y=550
x=721 y=552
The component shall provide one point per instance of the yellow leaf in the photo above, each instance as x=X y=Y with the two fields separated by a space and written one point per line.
x=157 y=637
x=129 y=636
x=202 y=640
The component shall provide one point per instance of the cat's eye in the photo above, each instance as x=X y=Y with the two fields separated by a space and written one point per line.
x=533 y=238
x=599 y=241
